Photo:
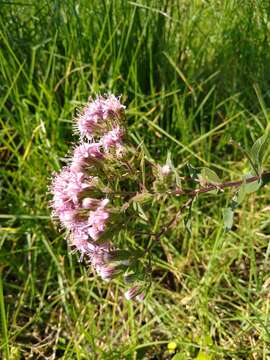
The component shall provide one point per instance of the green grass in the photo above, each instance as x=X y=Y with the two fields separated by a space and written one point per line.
x=193 y=74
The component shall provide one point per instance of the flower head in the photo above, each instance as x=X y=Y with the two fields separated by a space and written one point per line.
x=112 y=107
x=97 y=222
x=84 y=155
x=112 y=138
x=96 y=116
x=66 y=189
x=91 y=116
x=72 y=219
x=107 y=272
x=77 y=189
x=79 y=239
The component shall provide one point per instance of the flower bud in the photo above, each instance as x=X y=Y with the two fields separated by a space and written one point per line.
x=165 y=170
x=140 y=297
x=93 y=204
x=108 y=272
x=133 y=292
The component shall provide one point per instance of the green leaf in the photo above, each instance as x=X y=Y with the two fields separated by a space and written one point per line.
x=203 y=356
x=241 y=194
x=177 y=179
x=169 y=160
x=142 y=198
x=209 y=176
x=228 y=218
x=252 y=187
x=258 y=149
x=208 y=340
x=179 y=356
x=247 y=188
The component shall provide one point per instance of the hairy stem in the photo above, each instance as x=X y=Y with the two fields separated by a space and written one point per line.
x=193 y=192
x=228 y=184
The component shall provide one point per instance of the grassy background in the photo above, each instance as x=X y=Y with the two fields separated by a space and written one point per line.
x=193 y=74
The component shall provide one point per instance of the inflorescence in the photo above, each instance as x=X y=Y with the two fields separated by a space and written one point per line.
x=78 y=201
x=86 y=192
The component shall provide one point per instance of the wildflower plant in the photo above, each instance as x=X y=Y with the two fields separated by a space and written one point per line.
x=110 y=187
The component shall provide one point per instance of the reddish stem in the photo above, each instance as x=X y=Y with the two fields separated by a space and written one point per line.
x=194 y=192
x=224 y=185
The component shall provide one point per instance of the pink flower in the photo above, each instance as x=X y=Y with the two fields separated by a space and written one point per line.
x=134 y=292
x=112 y=138
x=66 y=189
x=107 y=272
x=140 y=297
x=112 y=107
x=97 y=252
x=95 y=117
x=91 y=116
x=97 y=222
x=71 y=219
x=85 y=154
x=94 y=233
x=79 y=239
x=76 y=194
x=97 y=218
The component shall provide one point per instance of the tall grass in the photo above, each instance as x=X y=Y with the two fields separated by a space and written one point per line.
x=193 y=74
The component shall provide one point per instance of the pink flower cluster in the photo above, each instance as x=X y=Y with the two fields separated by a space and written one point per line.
x=77 y=201
x=99 y=115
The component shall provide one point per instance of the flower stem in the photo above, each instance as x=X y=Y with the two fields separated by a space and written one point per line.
x=265 y=177
x=229 y=184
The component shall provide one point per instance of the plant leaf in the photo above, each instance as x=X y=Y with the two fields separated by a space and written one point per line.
x=241 y=194
x=179 y=356
x=252 y=187
x=203 y=356
x=209 y=176
x=247 y=188
x=142 y=198
x=228 y=218
x=258 y=149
